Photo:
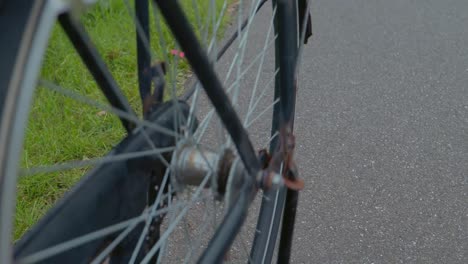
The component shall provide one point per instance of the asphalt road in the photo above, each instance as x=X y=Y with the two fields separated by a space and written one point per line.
x=382 y=130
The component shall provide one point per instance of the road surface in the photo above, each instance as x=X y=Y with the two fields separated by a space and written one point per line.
x=382 y=132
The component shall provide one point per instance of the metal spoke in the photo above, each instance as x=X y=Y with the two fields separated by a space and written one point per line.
x=151 y=144
x=262 y=113
x=234 y=36
x=203 y=126
x=95 y=161
x=192 y=110
x=273 y=137
x=73 y=243
x=99 y=259
x=141 y=123
x=206 y=26
x=260 y=66
x=247 y=69
x=78 y=97
x=174 y=223
x=212 y=55
x=242 y=44
x=250 y=111
x=207 y=118
x=148 y=221
x=259 y=56
x=211 y=50
x=173 y=73
x=197 y=13
x=171 y=218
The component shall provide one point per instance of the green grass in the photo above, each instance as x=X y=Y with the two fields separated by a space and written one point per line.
x=61 y=129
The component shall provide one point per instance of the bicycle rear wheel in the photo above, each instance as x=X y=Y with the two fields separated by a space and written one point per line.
x=136 y=202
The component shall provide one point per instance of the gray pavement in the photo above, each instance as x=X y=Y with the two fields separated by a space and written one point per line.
x=382 y=132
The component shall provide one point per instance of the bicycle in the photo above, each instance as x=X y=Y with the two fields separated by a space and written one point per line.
x=116 y=213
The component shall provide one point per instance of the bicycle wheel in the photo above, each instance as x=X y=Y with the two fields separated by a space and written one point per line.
x=151 y=171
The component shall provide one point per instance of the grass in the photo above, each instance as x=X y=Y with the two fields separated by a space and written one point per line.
x=61 y=129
